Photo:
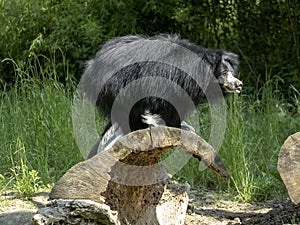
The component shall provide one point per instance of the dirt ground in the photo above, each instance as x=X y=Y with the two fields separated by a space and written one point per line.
x=204 y=209
x=211 y=209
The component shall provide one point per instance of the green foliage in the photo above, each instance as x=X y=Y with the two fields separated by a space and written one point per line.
x=25 y=181
x=44 y=28
x=268 y=39
x=264 y=33
x=257 y=126
x=37 y=145
x=43 y=47
x=36 y=115
x=3 y=183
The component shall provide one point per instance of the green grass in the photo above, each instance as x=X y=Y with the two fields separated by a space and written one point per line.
x=37 y=145
x=257 y=126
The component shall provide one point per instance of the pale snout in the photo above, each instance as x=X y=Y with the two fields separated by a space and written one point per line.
x=232 y=84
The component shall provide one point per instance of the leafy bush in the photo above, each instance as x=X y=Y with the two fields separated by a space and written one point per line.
x=264 y=33
x=42 y=29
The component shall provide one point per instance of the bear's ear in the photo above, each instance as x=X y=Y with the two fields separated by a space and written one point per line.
x=230 y=57
x=213 y=58
x=229 y=62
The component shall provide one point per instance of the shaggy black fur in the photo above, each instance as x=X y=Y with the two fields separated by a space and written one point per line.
x=134 y=74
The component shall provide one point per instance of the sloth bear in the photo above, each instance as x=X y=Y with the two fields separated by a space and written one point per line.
x=138 y=81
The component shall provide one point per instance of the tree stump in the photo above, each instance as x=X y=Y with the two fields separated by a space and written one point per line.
x=289 y=166
x=127 y=184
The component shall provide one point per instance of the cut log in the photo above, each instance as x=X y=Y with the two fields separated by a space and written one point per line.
x=289 y=166
x=127 y=182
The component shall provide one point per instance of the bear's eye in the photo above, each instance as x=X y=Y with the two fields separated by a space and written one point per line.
x=224 y=73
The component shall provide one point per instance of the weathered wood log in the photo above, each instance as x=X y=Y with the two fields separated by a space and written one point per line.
x=127 y=182
x=75 y=212
x=289 y=166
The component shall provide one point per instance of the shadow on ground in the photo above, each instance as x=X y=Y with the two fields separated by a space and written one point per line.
x=22 y=217
x=204 y=209
x=15 y=211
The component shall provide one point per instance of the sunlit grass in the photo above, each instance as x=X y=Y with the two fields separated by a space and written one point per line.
x=36 y=142
x=257 y=126
x=37 y=145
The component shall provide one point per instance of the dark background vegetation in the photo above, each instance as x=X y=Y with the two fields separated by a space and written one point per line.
x=264 y=33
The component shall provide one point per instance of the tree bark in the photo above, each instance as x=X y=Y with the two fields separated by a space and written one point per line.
x=289 y=166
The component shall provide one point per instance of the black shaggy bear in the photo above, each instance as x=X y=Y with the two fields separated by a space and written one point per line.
x=137 y=81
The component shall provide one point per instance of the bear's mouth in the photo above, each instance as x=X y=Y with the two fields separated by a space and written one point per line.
x=228 y=89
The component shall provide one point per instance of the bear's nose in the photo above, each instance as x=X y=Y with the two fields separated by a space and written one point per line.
x=238 y=84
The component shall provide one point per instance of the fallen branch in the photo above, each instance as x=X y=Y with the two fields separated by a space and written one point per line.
x=126 y=183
